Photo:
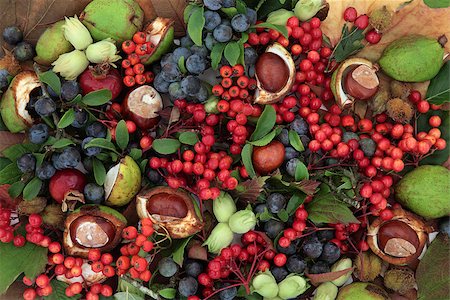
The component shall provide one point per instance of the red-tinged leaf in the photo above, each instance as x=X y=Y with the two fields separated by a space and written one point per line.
x=5 y=199
x=308 y=187
x=197 y=251
x=249 y=190
x=316 y=279
x=8 y=139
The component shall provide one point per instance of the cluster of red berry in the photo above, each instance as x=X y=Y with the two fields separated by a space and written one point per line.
x=132 y=260
x=135 y=73
x=234 y=84
x=373 y=36
x=254 y=251
x=297 y=229
x=342 y=237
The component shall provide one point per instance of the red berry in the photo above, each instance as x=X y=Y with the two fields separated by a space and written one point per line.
x=42 y=281
x=362 y=22
x=373 y=37
x=139 y=37
x=350 y=14
x=94 y=254
x=226 y=71
x=280 y=259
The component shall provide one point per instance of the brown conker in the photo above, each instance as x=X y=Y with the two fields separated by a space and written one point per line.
x=361 y=82
x=92 y=231
x=142 y=106
x=272 y=72
x=167 y=205
x=398 y=239
x=268 y=158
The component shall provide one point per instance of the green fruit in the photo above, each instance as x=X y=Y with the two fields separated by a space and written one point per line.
x=280 y=16
x=52 y=44
x=413 y=58
x=116 y=19
x=425 y=191
x=362 y=291
x=123 y=182
x=160 y=33
x=15 y=99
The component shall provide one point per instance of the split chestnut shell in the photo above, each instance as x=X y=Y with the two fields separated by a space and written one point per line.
x=170 y=210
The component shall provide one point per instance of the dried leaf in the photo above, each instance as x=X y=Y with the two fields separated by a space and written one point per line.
x=249 y=190
x=404 y=21
x=174 y=115
x=308 y=187
x=316 y=279
x=8 y=139
x=71 y=199
x=5 y=199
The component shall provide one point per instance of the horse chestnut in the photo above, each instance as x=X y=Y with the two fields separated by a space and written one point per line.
x=361 y=82
x=272 y=72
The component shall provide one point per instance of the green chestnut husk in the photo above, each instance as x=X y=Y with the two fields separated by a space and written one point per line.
x=52 y=44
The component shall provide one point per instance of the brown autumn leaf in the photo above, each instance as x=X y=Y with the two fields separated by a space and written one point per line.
x=411 y=18
x=316 y=279
x=8 y=139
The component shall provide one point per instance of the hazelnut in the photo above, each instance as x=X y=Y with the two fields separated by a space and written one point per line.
x=361 y=82
x=400 y=240
x=272 y=72
x=268 y=158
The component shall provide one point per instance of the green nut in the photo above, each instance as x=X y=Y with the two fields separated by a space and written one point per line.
x=265 y=285
x=220 y=237
x=224 y=207
x=342 y=264
x=362 y=291
x=116 y=19
x=413 y=58
x=326 y=291
x=52 y=44
x=292 y=286
x=280 y=16
x=242 y=221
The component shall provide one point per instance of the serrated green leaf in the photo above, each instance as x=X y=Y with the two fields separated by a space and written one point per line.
x=295 y=141
x=166 y=146
x=67 y=119
x=178 y=250
x=10 y=174
x=59 y=291
x=301 y=172
x=122 y=136
x=168 y=293
x=216 y=55
x=265 y=123
x=349 y=44
x=281 y=29
x=195 y=25
x=294 y=202
x=135 y=153
x=97 y=98
x=326 y=209
x=16 y=189
x=32 y=189
x=438 y=91
x=52 y=80
x=188 y=138
x=99 y=171
x=181 y=65
x=232 y=52
x=246 y=155
x=29 y=259
x=102 y=143
x=62 y=143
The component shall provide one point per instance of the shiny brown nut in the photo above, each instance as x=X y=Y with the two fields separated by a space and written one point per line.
x=268 y=158
x=167 y=205
x=91 y=231
x=398 y=239
x=361 y=82
x=272 y=72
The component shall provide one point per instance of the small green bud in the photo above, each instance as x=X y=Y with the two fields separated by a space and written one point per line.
x=265 y=285
x=292 y=286
x=70 y=65
x=77 y=34
x=242 y=221
x=220 y=237
x=340 y=265
x=280 y=16
x=211 y=106
x=326 y=291
x=102 y=52
x=306 y=9
x=224 y=207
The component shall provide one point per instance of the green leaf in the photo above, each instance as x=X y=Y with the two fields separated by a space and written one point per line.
x=188 y=138
x=283 y=215
x=76 y=100
x=195 y=25
x=127 y=296
x=124 y=286
x=4 y=162
x=29 y=259
x=437 y=3
x=16 y=189
x=59 y=291
x=102 y=143
x=32 y=189
x=281 y=29
x=326 y=209
x=216 y=54
x=143 y=164
x=97 y=98
x=301 y=172
x=166 y=146
x=168 y=293
x=52 y=80
x=10 y=174
x=265 y=123
x=246 y=155
x=295 y=141
x=294 y=202
x=99 y=171
x=241 y=7
x=265 y=139
x=39 y=159
x=439 y=89
x=181 y=65
x=15 y=151
x=432 y=275
x=67 y=119
x=122 y=136
x=349 y=44
x=265 y=215
x=187 y=12
x=135 y=153
x=232 y=52
x=178 y=250
x=62 y=143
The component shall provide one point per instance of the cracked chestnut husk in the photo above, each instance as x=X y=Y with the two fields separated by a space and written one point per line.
x=160 y=33
x=92 y=227
x=354 y=79
x=275 y=74
x=398 y=241
x=170 y=210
